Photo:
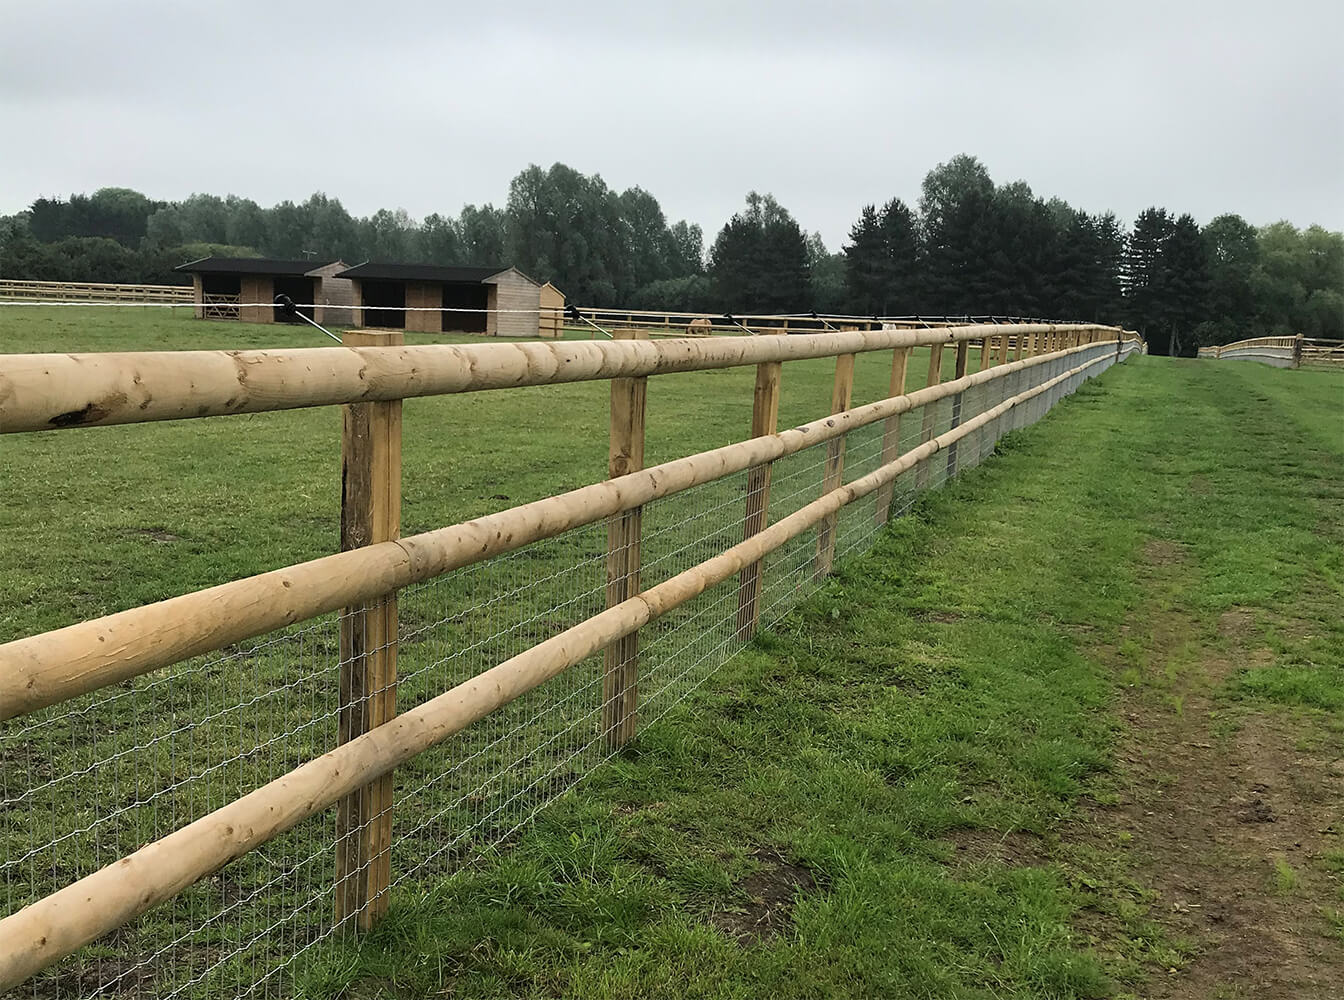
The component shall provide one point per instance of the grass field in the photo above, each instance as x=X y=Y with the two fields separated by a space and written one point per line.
x=924 y=782
x=247 y=494
x=932 y=780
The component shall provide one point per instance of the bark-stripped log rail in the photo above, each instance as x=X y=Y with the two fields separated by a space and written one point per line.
x=62 y=664
x=59 y=924
x=53 y=391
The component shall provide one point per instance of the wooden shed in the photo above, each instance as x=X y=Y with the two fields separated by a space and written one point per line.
x=244 y=288
x=428 y=298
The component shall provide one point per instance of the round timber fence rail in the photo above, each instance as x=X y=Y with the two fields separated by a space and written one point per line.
x=241 y=750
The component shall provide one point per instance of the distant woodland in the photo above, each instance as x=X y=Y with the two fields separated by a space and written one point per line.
x=967 y=246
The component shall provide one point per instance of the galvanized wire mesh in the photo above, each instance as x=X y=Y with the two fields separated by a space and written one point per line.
x=86 y=782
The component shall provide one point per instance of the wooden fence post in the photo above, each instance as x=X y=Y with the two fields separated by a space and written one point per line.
x=984 y=352
x=963 y=352
x=926 y=425
x=1021 y=344
x=891 y=433
x=1297 y=351
x=842 y=394
x=1003 y=348
x=620 y=678
x=370 y=513
x=764 y=420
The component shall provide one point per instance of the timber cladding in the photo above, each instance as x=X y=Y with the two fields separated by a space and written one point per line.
x=257 y=291
x=333 y=296
x=514 y=290
x=424 y=295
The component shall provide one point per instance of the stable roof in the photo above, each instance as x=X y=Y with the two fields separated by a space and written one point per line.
x=253 y=265
x=374 y=271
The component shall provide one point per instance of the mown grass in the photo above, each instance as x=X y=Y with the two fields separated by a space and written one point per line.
x=939 y=695
x=241 y=495
x=169 y=508
x=942 y=685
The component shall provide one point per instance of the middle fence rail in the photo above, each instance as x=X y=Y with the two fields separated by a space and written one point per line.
x=198 y=793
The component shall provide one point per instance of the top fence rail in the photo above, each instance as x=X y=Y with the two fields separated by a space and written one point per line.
x=55 y=391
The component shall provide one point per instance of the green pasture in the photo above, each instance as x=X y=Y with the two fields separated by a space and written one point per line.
x=802 y=822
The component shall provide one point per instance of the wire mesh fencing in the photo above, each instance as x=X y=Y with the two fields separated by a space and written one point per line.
x=88 y=781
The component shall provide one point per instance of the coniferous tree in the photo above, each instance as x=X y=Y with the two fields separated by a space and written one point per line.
x=759 y=261
x=955 y=206
x=1145 y=277
x=900 y=260
x=1187 y=285
x=863 y=263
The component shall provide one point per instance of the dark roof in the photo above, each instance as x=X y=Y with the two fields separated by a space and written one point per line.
x=419 y=272
x=251 y=265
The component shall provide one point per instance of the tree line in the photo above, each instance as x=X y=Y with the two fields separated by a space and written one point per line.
x=967 y=247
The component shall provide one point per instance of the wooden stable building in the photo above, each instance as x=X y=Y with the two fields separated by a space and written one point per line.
x=428 y=298
x=244 y=288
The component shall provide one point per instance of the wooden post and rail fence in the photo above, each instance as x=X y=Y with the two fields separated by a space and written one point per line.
x=655 y=323
x=1280 y=352
x=94 y=291
x=369 y=375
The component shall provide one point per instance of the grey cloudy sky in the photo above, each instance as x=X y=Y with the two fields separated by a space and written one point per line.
x=1201 y=107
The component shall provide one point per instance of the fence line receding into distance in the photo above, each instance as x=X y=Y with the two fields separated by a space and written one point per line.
x=1281 y=352
x=198 y=793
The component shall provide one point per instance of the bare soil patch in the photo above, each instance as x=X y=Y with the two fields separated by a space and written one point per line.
x=975 y=848
x=1236 y=623
x=1163 y=552
x=161 y=535
x=1230 y=829
x=767 y=897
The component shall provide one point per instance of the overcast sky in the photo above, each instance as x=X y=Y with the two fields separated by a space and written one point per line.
x=1201 y=107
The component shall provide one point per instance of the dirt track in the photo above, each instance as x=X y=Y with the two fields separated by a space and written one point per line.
x=1232 y=810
